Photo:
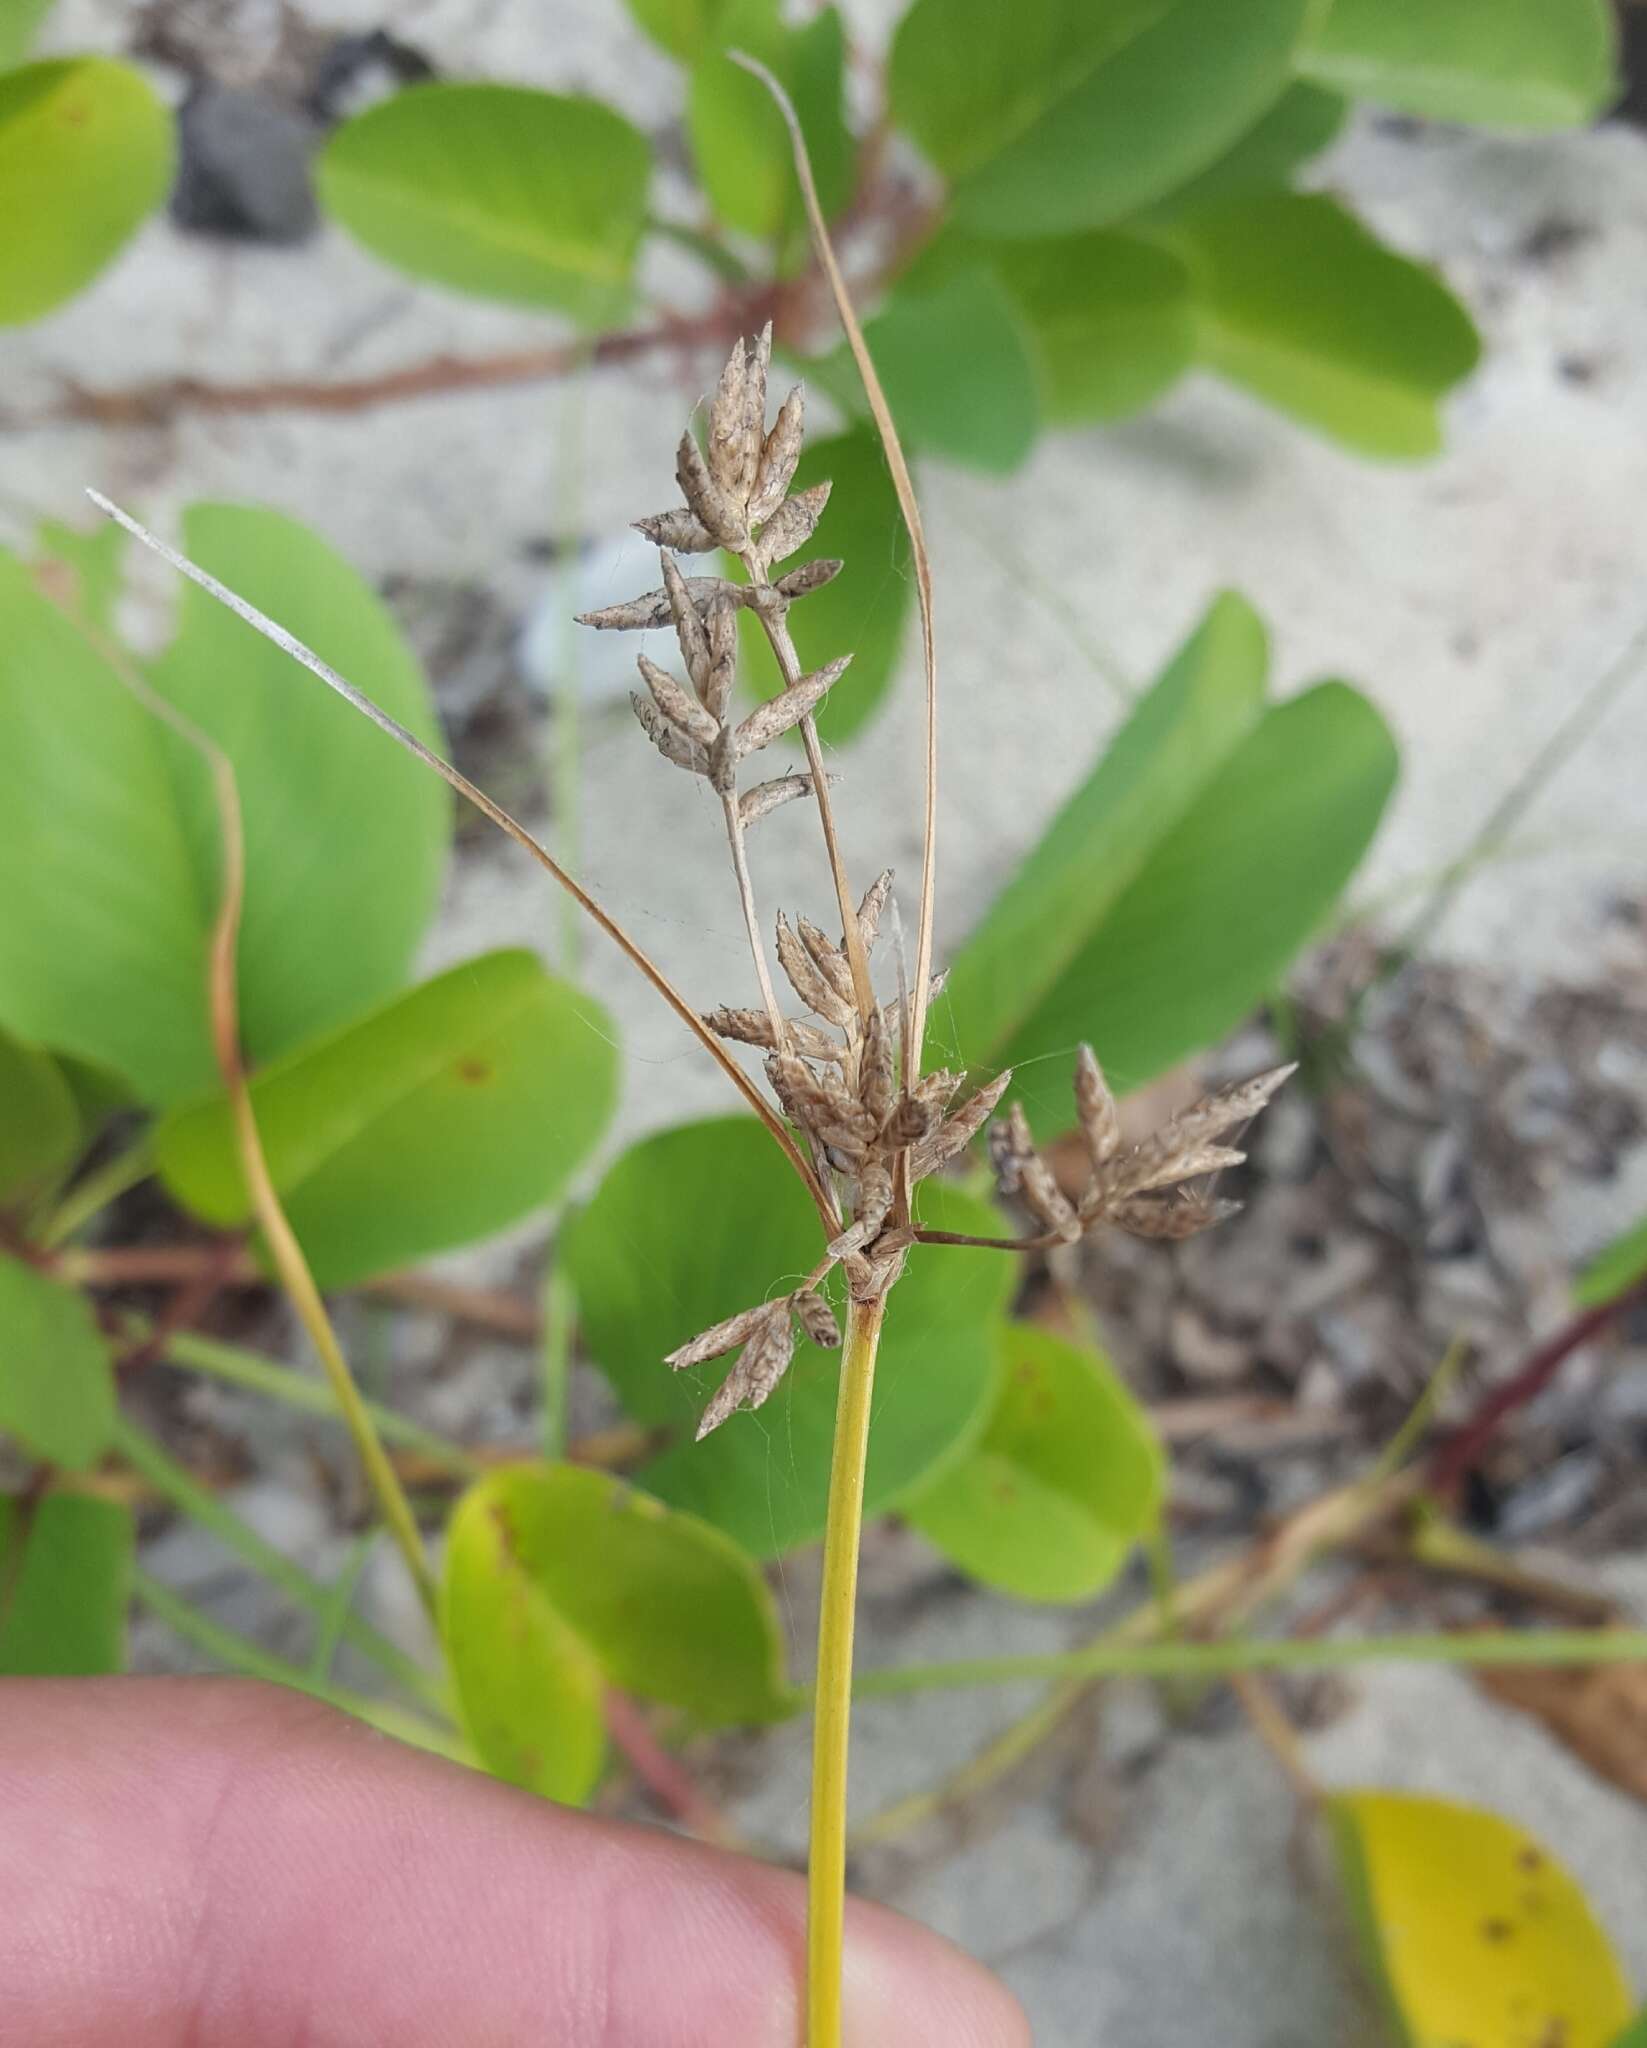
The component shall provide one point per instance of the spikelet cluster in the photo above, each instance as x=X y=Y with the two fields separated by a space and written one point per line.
x=840 y=1072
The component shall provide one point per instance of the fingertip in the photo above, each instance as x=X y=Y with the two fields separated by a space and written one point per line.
x=904 y=1983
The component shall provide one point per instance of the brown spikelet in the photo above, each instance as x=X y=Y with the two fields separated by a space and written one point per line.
x=669 y=740
x=804 y=978
x=762 y=1362
x=726 y=1335
x=690 y=631
x=779 y=455
x=716 y=512
x=874 y=1197
x=808 y=577
x=728 y=436
x=794 y=523
x=870 y=909
x=644 y=614
x=1162 y=1161
x=789 y=707
x=755 y=803
x=1100 y=1120
x=820 y=1105
x=682 y=710
x=875 y=1078
x=1170 y=1218
x=677 y=529
x=816 y=1318
x=754 y=1027
x=830 y=963
x=954 y=1135
x=720 y=624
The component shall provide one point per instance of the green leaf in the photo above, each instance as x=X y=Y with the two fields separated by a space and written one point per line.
x=40 y=1126
x=19 y=24
x=1109 y=318
x=85 y=153
x=453 y=1110
x=1175 y=886
x=1051 y=116
x=56 y=1384
x=1614 y=1271
x=345 y=835
x=1516 y=64
x=739 y=142
x=499 y=190
x=93 y=562
x=1298 y=126
x=64 y=1571
x=1634 y=2035
x=685 y=28
x=866 y=607
x=1300 y=304
x=956 y=366
x=1065 y=1479
x=561 y=1581
x=693 y=1224
x=1474 y=1932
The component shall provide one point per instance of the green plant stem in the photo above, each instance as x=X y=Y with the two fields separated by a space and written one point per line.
x=832 y=1691
x=258 y=1375
x=1489 y=1647
x=184 y=1491
x=96 y=1191
x=235 y=1653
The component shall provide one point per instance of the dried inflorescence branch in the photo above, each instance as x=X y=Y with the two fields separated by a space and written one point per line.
x=845 y=1072
x=1160 y=1187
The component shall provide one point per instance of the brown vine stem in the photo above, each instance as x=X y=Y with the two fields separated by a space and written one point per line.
x=631 y=948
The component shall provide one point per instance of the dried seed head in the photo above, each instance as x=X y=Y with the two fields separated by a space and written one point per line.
x=874 y=1198
x=733 y=453
x=690 y=631
x=820 y=1106
x=816 y=1318
x=793 y=523
x=676 y=529
x=682 y=710
x=779 y=454
x=789 y=707
x=754 y=1027
x=958 y=1132
x=669 y=740
x=761 y=1364
x=717 y=512
x=806 y=981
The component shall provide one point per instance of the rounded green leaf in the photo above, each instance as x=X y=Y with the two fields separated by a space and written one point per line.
x=40 y=1122
x=56 y=1384
x=1634 y=2035
x=1298 y=126
x=562 y=1581
x=1298 y=303
x=694 y=1224
x=740 y=144
x=1065 y=1479
x=1515 y=64
x=87 y=564
x=867 y=606
x=955 y=362
x=64 y=1569
x=345 y=835
x=499 y=190
x=1109 y=317
x=1052 y=116
x=85 y=153
x=685 y=28
x=443 y=1116
x=1475 y=1933
x=1172 y=890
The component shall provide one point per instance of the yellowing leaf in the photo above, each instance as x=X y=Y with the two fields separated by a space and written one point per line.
x=1477 y=1935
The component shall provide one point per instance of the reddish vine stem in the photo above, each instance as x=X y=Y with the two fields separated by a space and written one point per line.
x=1461 y=1453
